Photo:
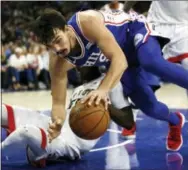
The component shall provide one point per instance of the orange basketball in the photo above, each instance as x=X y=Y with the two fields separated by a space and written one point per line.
x=89 y=122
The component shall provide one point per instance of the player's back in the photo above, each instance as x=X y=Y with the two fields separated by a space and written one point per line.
x=116 y=22
x=168 y=12
x=124 y=28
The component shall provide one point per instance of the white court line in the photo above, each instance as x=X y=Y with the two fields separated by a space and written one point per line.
x=113 y=146
x=112 y=130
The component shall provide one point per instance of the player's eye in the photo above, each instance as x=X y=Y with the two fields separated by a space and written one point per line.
x=58 y=40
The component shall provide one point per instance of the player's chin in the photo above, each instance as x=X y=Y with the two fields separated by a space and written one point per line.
x=65 y=54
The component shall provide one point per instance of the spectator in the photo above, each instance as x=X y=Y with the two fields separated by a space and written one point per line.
x=4 y=70
x=44 y=67
x=19 y=70
x=33 y=63
x=113 y=6
x=8 y=50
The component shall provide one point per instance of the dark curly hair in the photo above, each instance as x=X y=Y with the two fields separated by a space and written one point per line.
x=44 y=26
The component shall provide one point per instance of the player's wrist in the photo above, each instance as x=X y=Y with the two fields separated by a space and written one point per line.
x=104 y=89
x=58 y=119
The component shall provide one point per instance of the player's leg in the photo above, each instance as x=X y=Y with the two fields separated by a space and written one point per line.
x=28 y=136
x=177 y=50
x=144 y=98
x=14 y=116
x=151 y=59
x=184 y=63
x=14 y=119
x=154 y=83
x=4 y=117
x=7 y=118
x=121 y=111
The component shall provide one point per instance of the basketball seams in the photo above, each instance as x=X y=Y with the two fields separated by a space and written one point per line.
x=86 y=114
x=91 y=130
x=78 y=126
x=80 y=118
x=89 y=122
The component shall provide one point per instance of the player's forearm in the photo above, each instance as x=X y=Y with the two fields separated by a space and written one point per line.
x=59 y=88
x=113 y=76
x=58 y=112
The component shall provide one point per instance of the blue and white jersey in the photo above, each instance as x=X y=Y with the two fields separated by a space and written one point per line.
x=128 y=31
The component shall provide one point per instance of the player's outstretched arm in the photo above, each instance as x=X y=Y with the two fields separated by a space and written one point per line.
x=94 y=29
x=58 y=73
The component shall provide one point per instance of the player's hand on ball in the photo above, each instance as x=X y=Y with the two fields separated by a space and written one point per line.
x=97 y=96
x=54 y=129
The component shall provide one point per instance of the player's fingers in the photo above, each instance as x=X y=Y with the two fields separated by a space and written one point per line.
x=91 y=99
x=50 y=131
x=86 y=98
x=98 y=99
x=49 y=138
x=52 y=126
x=106 y=103
x=109 y=102
x=58 y=122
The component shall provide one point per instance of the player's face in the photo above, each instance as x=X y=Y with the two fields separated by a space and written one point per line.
x=60 y=44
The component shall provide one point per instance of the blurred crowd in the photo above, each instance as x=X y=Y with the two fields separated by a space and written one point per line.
x=17 y=15
x=24 y=67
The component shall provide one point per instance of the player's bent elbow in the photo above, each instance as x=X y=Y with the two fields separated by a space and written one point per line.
x=125 y=66
x=122 y=66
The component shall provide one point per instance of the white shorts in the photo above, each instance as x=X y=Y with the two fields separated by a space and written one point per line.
x=116 y=95
x=177 y=49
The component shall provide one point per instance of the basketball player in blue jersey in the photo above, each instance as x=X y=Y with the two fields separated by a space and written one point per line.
x=94 y=38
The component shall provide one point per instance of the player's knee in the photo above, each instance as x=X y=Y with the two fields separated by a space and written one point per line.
x=185 y=63
x=155 y=109
x=150 y=64
x=27 y=132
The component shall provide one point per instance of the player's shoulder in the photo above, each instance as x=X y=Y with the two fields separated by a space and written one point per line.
x=89 y=15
